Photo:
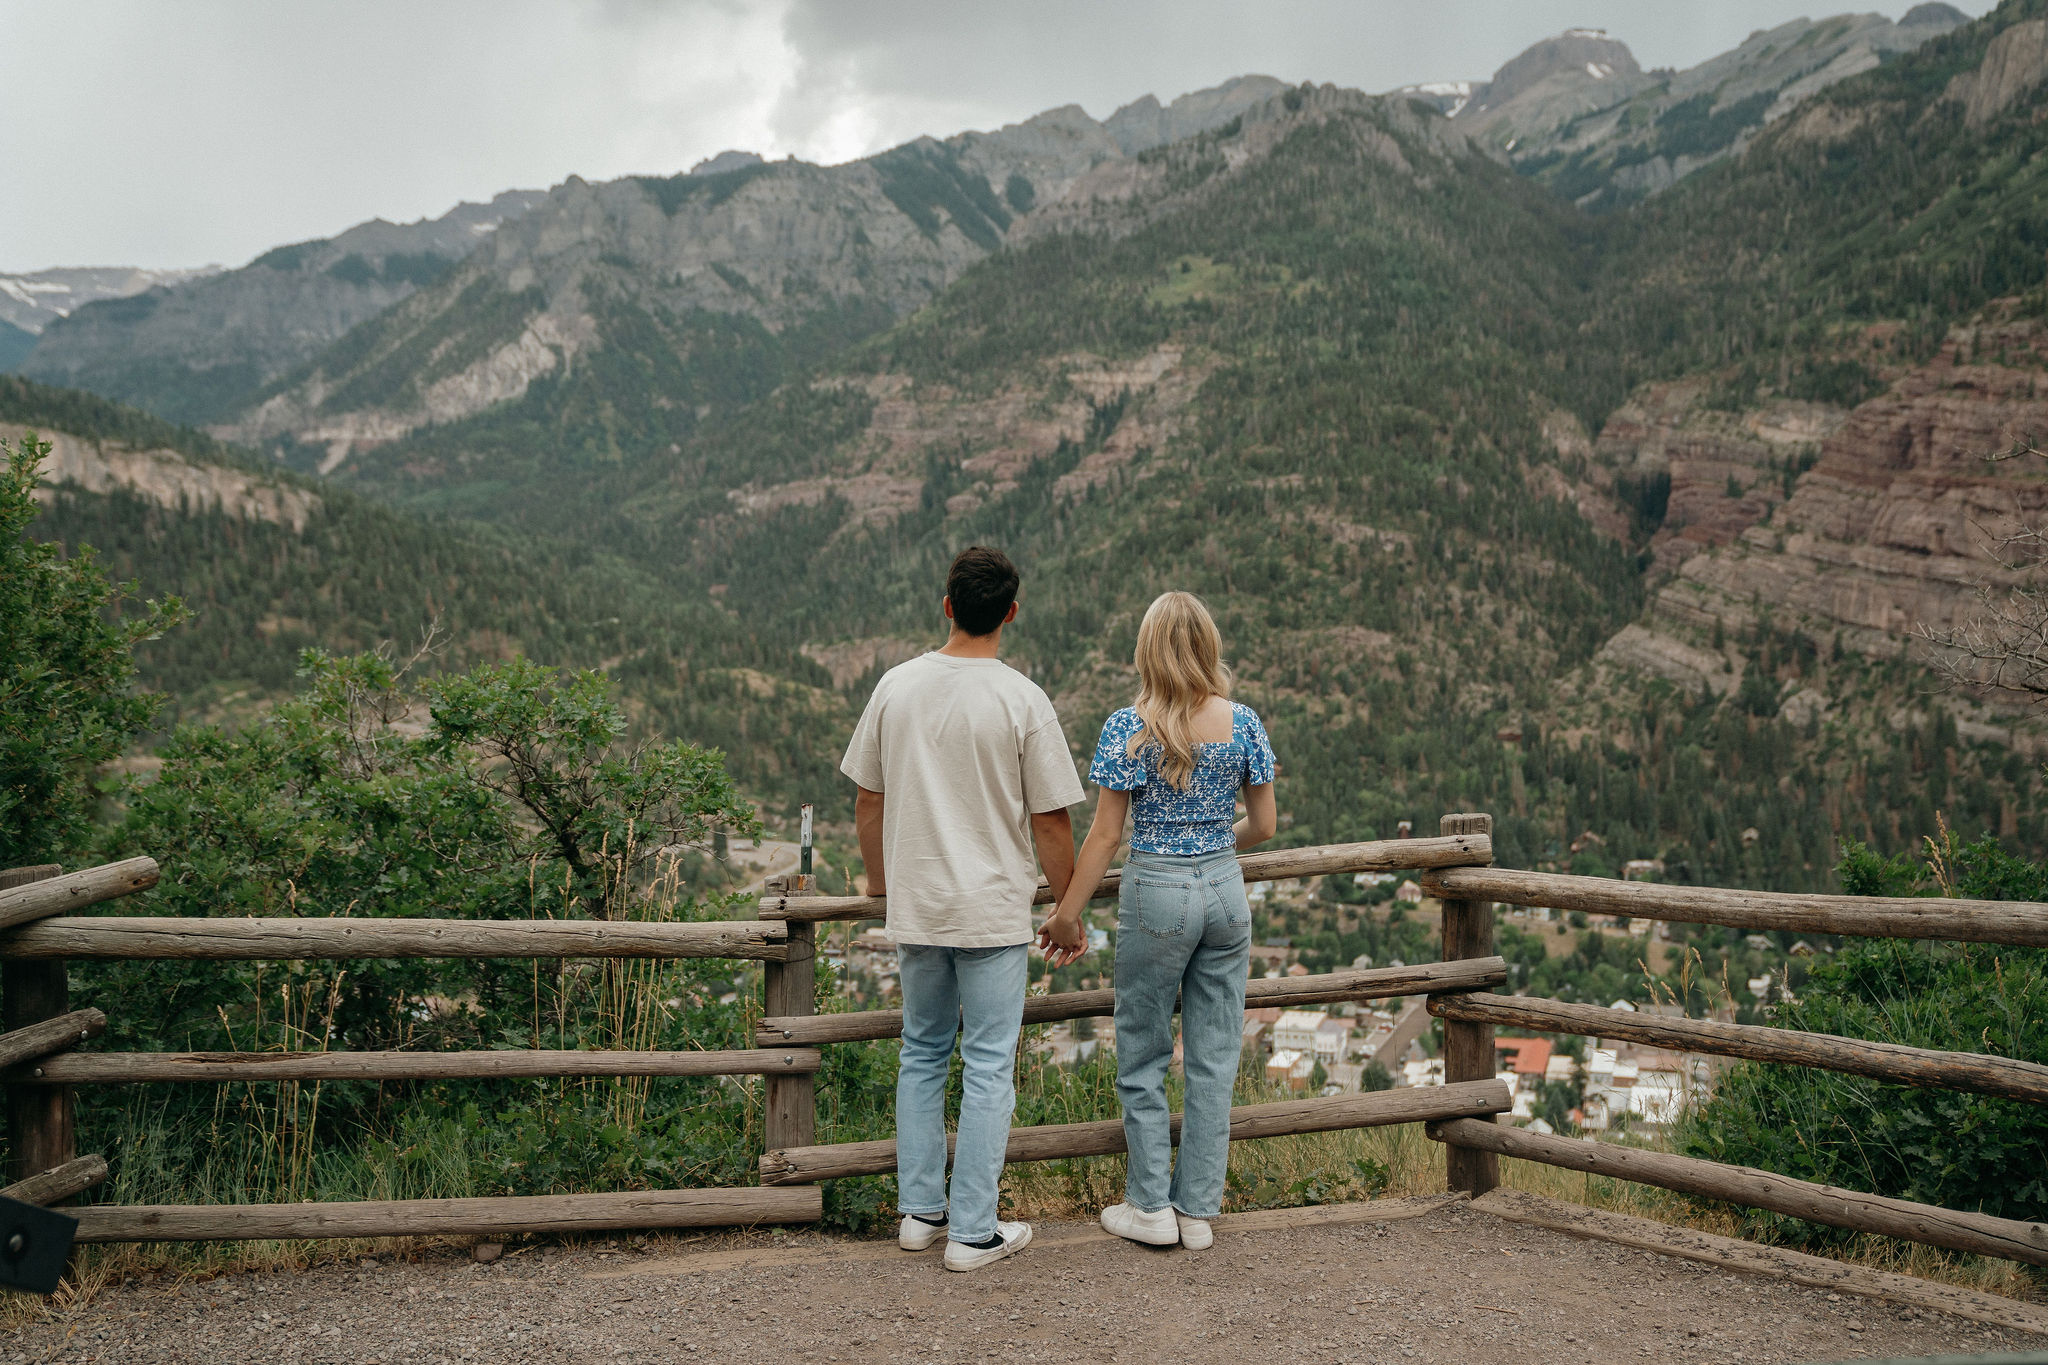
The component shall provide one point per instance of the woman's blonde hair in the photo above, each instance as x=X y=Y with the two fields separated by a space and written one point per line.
x=1180 y=666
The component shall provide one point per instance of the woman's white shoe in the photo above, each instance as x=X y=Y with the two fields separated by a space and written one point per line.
x=1195 y=1233
x=914 y=1234
x=961 y=1256
x=1157 y=1228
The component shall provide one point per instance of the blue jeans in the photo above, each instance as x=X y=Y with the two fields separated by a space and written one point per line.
x=978 y=992
x=1183 y=929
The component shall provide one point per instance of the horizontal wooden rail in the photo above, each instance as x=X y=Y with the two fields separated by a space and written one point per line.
x=60 y=1182
x=282 y=938
x=2015 y=922
x=50 y=1035
x=119 y=1068
x=1287 y=992
x=75 y=890
x=1380 y=855
x=1051 y=1142
x=1977 y=1072
x=447 y=1217
x=1977 y=1233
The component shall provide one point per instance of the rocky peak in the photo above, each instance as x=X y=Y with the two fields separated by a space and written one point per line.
x=1575 y=56
x=1144 y=123
x=1933 y=15
x=726 y=161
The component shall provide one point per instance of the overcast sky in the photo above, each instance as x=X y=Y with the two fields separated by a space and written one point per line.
x=147 y=132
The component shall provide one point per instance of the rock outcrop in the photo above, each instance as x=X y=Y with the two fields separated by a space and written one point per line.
x=2015 y=64
x=166 y=478
x=1888 y=532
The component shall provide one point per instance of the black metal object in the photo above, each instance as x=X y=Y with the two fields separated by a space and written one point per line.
x=33 y=1245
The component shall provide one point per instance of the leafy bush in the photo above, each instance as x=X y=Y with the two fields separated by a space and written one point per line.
x=1960 y=1151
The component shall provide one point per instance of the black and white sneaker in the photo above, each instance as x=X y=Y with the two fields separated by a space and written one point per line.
x=1009 y=1237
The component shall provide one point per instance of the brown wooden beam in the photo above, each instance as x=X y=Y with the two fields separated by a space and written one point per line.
x=1977 y=1072
x=71 y=1178
x=2014 y=922
x=1977 y=1233
x=1287 y=992
x=120 y=1068
x=283 y=939
x=1050 y=1142
x=1381 y=855
x=448 y=1217
x=57 y=894
x=50 y=1035
x=1468 y=1045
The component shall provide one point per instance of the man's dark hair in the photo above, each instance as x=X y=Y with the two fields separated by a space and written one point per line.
x=982 y=584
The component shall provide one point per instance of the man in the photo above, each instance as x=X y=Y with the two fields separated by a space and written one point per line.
x=962 y=767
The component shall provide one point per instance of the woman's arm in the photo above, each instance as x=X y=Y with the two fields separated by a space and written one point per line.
x=1060 y=936
x=1260 y=817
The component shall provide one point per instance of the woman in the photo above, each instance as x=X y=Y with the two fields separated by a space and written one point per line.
x=1177 y=760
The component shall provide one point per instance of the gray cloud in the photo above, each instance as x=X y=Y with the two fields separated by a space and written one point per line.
x=210 y=130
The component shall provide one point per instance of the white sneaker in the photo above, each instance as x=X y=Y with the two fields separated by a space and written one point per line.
x=960 y=1256
x=1153 y=1229
x=1195 y=1233
x=915 y=1234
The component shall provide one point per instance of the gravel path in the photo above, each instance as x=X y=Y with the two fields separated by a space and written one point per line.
x=1456 y=1286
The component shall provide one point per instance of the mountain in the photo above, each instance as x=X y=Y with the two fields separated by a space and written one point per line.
x=193 y=349
x=272 y=563
x=1577 y=113
x=31 y=302
x=630 y=309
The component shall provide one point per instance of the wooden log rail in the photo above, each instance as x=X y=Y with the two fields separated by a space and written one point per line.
x=285 y=939
x=1367 y=983
x=73 y=1177
x=1380 y=855
x=119 y=1068
x=449 y=1217
x=1977 y=1072
x=50 y=1035
x=75 y=890
x=1976 y=1233
x=2021 y=923
x=1051 y=1142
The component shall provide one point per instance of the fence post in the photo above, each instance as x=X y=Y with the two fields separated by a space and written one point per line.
x=41 y=1129
x=791 y=988
x=1468 y=1047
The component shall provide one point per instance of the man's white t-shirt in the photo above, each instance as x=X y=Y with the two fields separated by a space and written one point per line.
x=964 y=752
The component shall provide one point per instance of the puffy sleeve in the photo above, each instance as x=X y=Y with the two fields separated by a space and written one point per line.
x=1114 y=768
x=1259 y=763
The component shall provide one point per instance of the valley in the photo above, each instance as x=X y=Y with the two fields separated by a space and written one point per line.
x=1561 y=445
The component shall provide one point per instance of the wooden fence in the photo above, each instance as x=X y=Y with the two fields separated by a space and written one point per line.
x=41 y=1063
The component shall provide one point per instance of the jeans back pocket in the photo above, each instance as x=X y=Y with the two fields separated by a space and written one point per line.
x=1158 y=904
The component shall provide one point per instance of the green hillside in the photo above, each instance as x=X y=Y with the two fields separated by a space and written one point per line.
x=1320 y=365
x=359 y=575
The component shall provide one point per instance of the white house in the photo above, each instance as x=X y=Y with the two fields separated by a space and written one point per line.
x=1333 y=1037
x=1295 y=1030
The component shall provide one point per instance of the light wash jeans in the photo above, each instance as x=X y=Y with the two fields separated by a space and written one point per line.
x=978 y=992
x=1183 y=929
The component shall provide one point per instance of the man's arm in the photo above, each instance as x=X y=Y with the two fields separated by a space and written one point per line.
x=867 y=819
x=1053 y=833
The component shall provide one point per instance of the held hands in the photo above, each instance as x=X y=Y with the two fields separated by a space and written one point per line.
x=1061 y=938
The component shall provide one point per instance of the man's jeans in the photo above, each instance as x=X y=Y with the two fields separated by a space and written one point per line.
x=979 y=992
x=1183 y=929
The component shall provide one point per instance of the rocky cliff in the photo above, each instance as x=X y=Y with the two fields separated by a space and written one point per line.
x=1888 y=532
x=193 y=350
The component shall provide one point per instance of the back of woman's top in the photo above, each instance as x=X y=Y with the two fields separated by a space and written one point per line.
x=1195 y=819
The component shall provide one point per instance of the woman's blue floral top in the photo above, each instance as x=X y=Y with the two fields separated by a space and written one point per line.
x=1197 y=820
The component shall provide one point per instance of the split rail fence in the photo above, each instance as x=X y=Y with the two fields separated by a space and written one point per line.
x=39 y=1063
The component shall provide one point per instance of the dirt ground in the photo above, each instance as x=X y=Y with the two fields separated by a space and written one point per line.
x=1457 y=1286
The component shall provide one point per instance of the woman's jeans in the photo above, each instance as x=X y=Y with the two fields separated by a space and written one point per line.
x=1183 y=929
x=978 y=993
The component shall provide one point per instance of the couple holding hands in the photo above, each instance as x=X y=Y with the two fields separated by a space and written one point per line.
x=963 y=770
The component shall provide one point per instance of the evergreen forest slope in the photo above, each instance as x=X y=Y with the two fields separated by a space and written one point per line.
x=1613 y=525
